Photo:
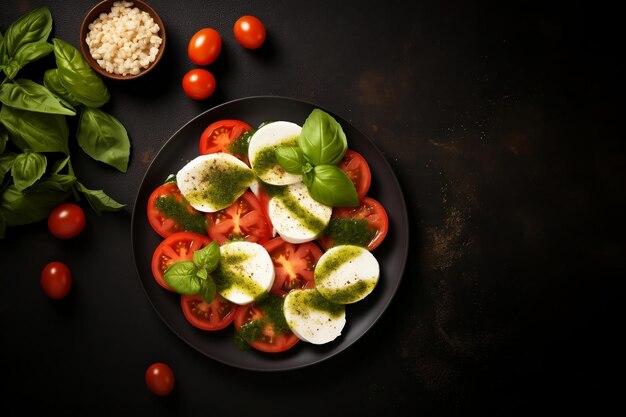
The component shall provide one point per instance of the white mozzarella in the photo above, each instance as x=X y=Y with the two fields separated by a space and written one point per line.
x=296 y=216
x=214 y=181
x=261 y=149
x=346 y=274
x=245 y=272
x=312 y=317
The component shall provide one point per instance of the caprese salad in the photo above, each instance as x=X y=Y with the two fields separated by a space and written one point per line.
x=269 y=228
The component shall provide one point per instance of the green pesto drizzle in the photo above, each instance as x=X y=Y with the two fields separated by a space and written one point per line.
x=272 y=308
x=349 y=231
x=349 y=293
x=333 y=262
x=240 y=145
x=188 y=220
x=221 y=185
x=315 y=301
x=265 y=159
x=309 y=221
x=230 y=273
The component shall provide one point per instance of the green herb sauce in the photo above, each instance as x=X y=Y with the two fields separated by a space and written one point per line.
x=347 y=231
x=190 y=221
x=315 y=301
x=265 y=160
x=272 y=308
x=240 y=145
x=314 y=224
x=230 y=273
x=333 y=262
x=350 y=293
x=221 y=185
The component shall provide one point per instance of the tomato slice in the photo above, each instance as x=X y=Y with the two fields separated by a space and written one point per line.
x=357 y=169
x=219 y=136
x=169 y=212
x=370 y=211
x=176 y=247
x=262 y=325
x=244 y=219
x=293 y=264
x=214 y=316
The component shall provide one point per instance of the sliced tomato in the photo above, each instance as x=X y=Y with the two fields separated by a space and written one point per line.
x=262 y=325
x=169 y=212
x=357 y=169
x=370 y=212
x=293 y=264
x=244 y=219
x=176 y=247
x=214 y=316
x=220 y=136
x=264 y=200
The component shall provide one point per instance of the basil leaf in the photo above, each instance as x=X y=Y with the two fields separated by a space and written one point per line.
x=39 y=132
x=77 y=77
x=332 y=187
x=22 y=208
x=208 y=290
x=28 y=95
x=181 y=277
x=6 y=162
x=27 y=168
x=202 y=273
x=322 y=139
x=4 y=137
x=3 y=54
x=208 y=257
x=103 y=138
x=53 y=182
x=60 y=164
x=98 y=200
x=27 y=53
x=290 y=158
x=34 y=26
x=52 y=83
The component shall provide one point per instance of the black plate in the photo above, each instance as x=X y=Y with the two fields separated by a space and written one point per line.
x=391 y=254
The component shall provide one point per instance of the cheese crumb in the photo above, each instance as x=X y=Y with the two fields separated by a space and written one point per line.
x=125 y=40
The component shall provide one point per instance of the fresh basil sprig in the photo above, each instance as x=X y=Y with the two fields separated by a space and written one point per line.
x=194 y=277
x=36 y=172
x=321 y=145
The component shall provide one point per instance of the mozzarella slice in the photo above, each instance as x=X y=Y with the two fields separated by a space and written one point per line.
x=214 y=181
x=245 y=272
x=346 y=274
x=312 y=317
x=261 y=152
x=296 y=216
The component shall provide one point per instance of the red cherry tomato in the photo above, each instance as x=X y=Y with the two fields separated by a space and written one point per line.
x=160 y=379
x=204 y=46
x=66 y=221
x=249 y=32
x=199 y=84
x=56 y=280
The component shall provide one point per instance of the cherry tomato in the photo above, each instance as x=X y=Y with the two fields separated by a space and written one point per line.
x=244 y=219
x=160 y=379
x=56 y=280
x=179 y=246
x=199 y=84
x=66 y=221
x=169 y=212
x=204 y=46
x=249 y=32
x=293 y=263
x=220 y=135
x=357 y=169
x=215 y=316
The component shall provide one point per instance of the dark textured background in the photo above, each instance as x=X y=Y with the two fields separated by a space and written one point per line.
x=500 y=122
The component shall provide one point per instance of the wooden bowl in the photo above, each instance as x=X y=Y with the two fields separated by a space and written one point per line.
x=105 y=7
